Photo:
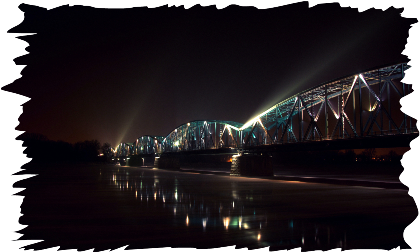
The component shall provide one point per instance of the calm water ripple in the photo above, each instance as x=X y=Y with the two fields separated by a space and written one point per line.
x=106 y=207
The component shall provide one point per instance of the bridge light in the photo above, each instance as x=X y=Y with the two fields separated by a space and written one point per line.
x=226 y=221
x=253 y=120
x=204 y=223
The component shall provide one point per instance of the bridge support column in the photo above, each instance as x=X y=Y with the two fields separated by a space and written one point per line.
x=134 y=160
x=167 y=162
x=251 y=165
x=140 y=160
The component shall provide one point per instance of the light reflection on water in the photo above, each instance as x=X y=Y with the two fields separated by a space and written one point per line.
x=236 y=214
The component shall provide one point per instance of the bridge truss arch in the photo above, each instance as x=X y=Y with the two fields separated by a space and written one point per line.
x=147 y=145
x=123 y=149
x=202 y=135
x=359 y=105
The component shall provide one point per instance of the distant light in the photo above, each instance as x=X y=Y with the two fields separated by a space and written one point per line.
x=226 y=222
x=204 y=223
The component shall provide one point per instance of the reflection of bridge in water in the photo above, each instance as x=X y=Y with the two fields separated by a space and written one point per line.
x=235 y=210
x=362 y=108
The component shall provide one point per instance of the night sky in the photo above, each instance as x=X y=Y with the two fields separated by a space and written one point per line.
x=115 y=75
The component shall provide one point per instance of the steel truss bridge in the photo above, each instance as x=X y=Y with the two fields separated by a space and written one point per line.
x=355 y=107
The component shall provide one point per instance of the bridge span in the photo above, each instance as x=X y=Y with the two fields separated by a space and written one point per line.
x=361 y=108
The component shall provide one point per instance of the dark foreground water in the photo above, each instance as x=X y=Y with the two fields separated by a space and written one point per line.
x=106 y=207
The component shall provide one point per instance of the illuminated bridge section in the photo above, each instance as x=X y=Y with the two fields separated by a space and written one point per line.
x=147 y=145
x=123 y=149
x=143 y=145
x=202 y=135
x=359 y=105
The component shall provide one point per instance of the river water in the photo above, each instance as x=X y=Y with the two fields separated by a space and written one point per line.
x=106 y=207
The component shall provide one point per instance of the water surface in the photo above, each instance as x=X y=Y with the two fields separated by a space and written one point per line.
x=106 y=207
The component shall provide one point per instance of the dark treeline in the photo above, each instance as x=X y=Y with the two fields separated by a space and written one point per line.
x=43 y=150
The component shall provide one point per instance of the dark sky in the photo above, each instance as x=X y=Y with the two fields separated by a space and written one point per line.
x=115 y=75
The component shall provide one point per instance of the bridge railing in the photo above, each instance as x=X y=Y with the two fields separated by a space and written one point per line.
x=350 y=136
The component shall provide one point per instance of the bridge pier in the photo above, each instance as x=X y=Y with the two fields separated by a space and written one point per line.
x=167 y=162
x=251 y=165
x=140 y=160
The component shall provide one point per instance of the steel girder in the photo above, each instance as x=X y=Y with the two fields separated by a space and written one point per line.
x=359 y=105
x=202 y=135
x=123 y=150
x=354 y=106
x=147 y=145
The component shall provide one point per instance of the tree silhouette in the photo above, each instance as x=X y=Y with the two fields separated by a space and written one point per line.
x=349 y=156
x=393 y=156
x=368 y=154
x=87 y=150
x=106 y=150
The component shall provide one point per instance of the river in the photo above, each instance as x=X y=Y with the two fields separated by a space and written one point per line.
x=107 y=207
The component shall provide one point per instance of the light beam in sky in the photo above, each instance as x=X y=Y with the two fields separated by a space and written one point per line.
x=298 y=82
